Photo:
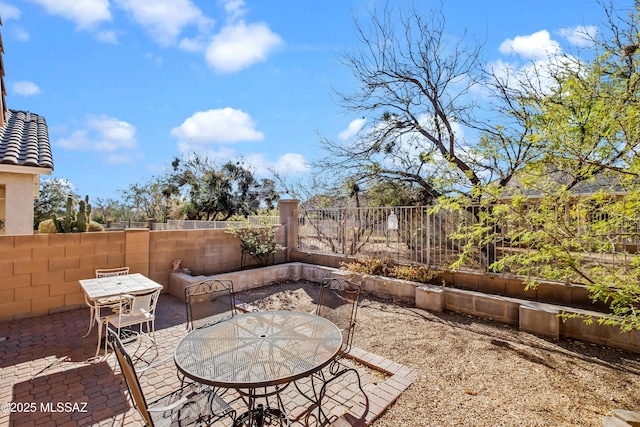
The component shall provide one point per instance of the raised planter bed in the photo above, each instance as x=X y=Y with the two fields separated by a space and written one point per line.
x=532 y=316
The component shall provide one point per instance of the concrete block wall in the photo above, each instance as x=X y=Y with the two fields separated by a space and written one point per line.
x=253 y=278
x=504 y=285
x=202 y=251
x=39 y=273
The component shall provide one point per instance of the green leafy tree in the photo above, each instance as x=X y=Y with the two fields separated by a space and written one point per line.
x=217 y=193
x=154 y=199
x=572 y=212
x=52 y=199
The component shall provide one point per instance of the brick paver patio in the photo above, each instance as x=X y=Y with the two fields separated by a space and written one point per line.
x=48 y=376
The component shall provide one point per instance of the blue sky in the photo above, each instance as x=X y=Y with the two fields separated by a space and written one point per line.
x=127 y=85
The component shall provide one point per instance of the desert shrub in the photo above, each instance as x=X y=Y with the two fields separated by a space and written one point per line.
x=388 y=268
x=95 y=226
x=259 y=241
x=422 y=273
x=366 y=265
x=47 y=227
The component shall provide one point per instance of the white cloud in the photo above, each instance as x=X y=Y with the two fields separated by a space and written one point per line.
x=26 y=88
x=165 y=19
x=21 y=34
x=534 y=46
x=109 y=37
x=580 y=35
x=116 y=139
x=234 y=8
x=353 y=129
x=8 y=11
x=288 y=163
x=241 y=45
x=156 y=59
x=291 y=163
x=226 y=125
x=196 y=44
x=86 y=13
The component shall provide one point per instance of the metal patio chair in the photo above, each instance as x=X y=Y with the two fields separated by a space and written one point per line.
x=208 y=302
x=132 y=310
x=95 y=306
x=338 y=303
x=185 y=406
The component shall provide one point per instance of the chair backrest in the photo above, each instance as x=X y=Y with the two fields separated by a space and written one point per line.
x=339 y=303
x=208 y=302
x=130 y=376
x=146 y=302
x=108 y=272
x=135 y=305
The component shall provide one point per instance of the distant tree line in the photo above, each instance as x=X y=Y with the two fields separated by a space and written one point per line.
x=195 y=188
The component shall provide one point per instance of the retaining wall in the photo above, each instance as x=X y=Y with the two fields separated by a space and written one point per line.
x=535 y=317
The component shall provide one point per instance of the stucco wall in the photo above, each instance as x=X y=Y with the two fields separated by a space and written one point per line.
x=18 y=203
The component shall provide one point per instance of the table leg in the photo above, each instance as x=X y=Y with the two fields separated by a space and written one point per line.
x=95 y=313
x=260 y=415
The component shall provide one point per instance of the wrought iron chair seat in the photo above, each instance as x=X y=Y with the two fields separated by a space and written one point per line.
x=185 y=406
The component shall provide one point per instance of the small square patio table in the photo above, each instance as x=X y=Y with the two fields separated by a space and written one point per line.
x=128 y=284
x=114 y=286
x=258 y=350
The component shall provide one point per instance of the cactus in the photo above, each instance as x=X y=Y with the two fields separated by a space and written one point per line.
x=73 y=222
x=84 y=212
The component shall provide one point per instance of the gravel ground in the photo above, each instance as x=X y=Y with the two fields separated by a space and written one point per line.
x=478 y=372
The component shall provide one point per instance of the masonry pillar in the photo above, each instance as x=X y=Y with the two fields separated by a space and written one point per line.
x=136 y=250
x=289 y=218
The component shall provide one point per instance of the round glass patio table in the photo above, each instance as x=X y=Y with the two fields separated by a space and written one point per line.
x=259 y=349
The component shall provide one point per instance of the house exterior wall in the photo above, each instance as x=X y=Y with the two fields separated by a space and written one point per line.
x=18 y=212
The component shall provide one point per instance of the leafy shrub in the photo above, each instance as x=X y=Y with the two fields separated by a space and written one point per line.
x=379 y=267
x=259 y=241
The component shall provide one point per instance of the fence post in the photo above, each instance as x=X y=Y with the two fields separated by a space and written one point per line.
x=289 y=219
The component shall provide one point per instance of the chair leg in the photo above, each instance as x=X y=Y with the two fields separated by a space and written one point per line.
x=336 y=370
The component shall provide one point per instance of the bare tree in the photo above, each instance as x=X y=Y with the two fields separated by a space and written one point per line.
x=413 y=81
x=417 y=91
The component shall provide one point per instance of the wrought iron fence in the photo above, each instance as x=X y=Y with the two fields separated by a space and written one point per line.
x=191 y=224
x=407 y=235
x=423 y=235
x=194 y=225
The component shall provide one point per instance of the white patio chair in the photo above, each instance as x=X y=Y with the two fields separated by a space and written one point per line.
x=95 y=306
x=132 y=310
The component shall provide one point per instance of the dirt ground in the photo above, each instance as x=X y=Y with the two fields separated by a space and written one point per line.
x=475 y=372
